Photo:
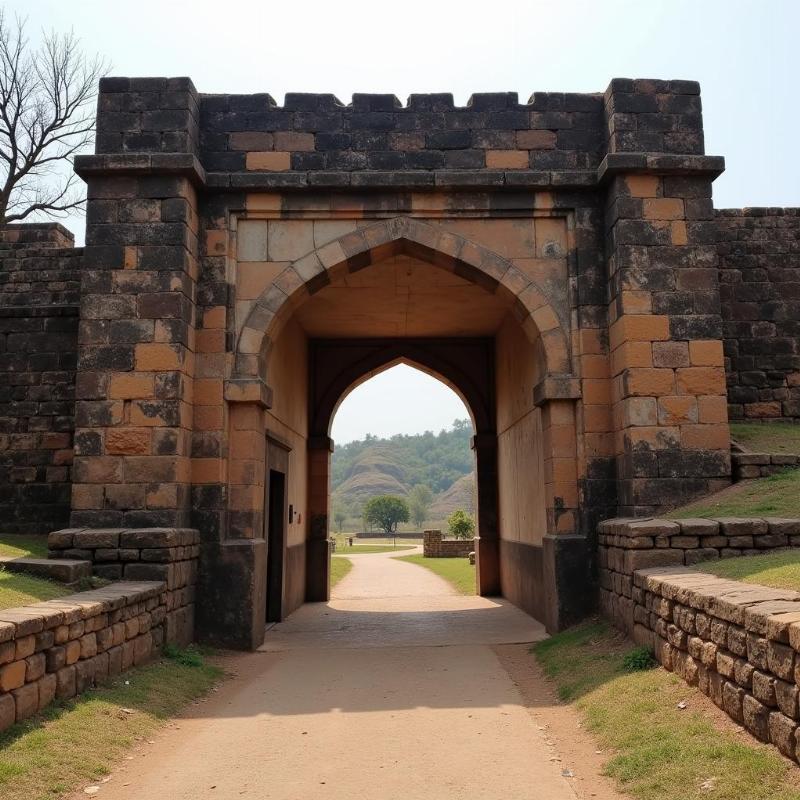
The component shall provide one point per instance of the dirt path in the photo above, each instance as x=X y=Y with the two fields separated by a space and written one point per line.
x=393 y=689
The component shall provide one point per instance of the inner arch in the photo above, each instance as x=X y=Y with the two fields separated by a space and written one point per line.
x=412 y=381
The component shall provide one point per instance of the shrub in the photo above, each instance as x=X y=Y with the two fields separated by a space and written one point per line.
x=188 y=657
x=460 y=524
x=640 y=658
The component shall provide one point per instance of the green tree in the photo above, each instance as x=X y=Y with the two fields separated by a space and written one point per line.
x=386 y=511
x=460 y=524
x=419 y=502
x=339 y=515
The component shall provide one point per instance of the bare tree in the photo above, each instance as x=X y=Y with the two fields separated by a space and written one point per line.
x=46 y=116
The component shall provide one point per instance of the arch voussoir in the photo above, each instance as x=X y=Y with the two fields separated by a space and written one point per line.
x=358 y=249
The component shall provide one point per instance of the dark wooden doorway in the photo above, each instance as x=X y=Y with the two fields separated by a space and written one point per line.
x=276 y=522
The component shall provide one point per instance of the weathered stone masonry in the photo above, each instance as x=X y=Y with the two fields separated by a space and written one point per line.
x=738 y=643
x=39 y=297
x=212 y=218
x=57 y=649
x=759 y=252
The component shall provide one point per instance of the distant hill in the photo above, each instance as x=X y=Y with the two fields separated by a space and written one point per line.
x=372 y=466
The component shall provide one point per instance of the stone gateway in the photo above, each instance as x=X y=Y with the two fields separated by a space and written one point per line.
x=556 y=262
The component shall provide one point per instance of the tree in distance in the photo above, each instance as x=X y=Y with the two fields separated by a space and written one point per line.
x=419 y=502
x=339 y=516
x=460 y=524
x=385 y=511
x=47 y=116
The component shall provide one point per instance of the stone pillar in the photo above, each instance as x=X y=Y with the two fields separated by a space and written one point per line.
x=136 y=340
x=665 y=330
x=487 y=542
x=318 y=574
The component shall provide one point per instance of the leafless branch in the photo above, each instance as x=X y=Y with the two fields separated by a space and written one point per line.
x=46 y=117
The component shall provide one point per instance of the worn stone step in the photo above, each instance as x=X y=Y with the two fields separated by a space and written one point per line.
x=55 y=569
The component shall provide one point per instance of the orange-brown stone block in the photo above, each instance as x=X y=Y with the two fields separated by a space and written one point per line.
x=128 y=441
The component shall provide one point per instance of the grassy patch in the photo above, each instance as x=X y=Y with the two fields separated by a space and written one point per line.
x=21 y=590
x=20 y=546
x=339 y=568
x=775 y=496
x=660 y=752
x=773 y=437
x=80 y=740
x=370 y=548
x=457 y=571
x=780 y=570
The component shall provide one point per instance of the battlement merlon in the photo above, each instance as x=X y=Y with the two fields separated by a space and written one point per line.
x=249 y=142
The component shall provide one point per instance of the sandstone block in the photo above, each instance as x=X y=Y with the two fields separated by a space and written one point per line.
x=786 y=696
x=757 y=651
x=84 y=674
x=699 y=527
x=737 y=640
x=725 y=663
x=756 y=717
x=732 y=700
x=26 y=700
x=780 y=660
x=8 y=711
x=787 y=527
x=12 y=675
x=743 y=673
x=764 y=688
x=685 y=542
x=35 y=667
x=742 y=526
x=701 y=554
x=782 y=733
x=47 y=690
x=644 y=559
x=65 y=683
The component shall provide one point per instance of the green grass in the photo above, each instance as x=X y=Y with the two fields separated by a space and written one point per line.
x=780 y=569
x=370 y=548
x=659 y=752
x=12 y=544
x=457 y=571
x=774 y=496
x=339 y=568
x=21 y=590
x=80 y=740
x=772 y=437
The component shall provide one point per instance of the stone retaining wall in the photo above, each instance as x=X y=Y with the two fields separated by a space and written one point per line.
x=59 y=648
x=144 y=554
x=627 y=545
x=434 y=545
x=738 y=643
x=759 y=465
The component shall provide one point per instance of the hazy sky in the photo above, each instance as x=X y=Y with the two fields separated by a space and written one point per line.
x=744 y=54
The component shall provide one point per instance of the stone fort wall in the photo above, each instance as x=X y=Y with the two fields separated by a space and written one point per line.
x=759 y=267
x=159 y=137
x=39 y=300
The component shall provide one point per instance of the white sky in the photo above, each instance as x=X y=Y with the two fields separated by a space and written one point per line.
x=745 y=55
x=400 y=400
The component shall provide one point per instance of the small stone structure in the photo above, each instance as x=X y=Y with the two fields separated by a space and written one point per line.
x=434 y=545
x=760 y=465
x=627 y=545
x=145 y=554
x=59 y=648
x=738 y=643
